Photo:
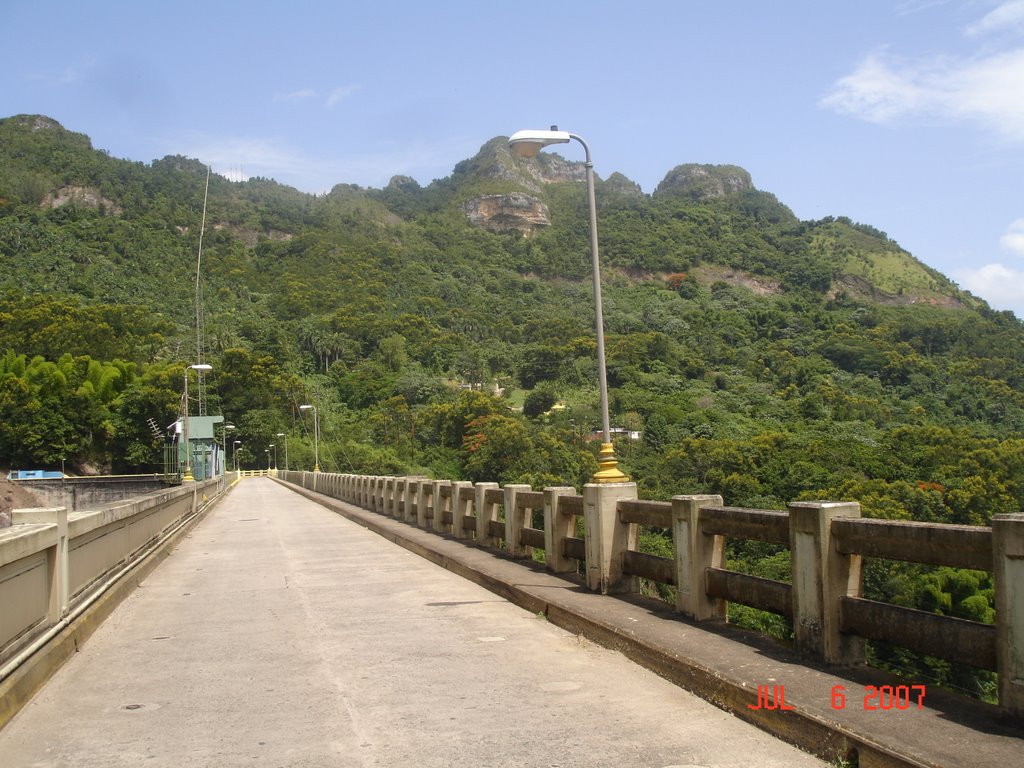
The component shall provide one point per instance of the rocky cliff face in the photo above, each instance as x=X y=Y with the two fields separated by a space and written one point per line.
x=702 y=182
x=520 y=211
x=494 y=161
x=86 y=197
x=506 y=213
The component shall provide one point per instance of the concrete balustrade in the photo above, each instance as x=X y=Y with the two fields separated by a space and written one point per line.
x=515 y=521
x=827 y=541
x=821 y=576
x=1008 y=560
x=607 y=537
x=699 y=552
x=559 y=525
x=51 y=559
x=463 y=497
x=442 y=503
x=486 y=511
x=424 y=512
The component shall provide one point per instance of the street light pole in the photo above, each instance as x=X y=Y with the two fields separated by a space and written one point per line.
x=285 y=436
x=224 y=443
x=274 y=446
x=316 y=436
x=235 y=453
x=528 y=144
x=198 y=367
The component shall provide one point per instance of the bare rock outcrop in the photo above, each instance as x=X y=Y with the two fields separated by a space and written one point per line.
x=703 y=182
x=86 y=197
x=506 y=213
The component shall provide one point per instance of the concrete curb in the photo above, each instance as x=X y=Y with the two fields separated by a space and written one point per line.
x=720 y=664
x=19 y=688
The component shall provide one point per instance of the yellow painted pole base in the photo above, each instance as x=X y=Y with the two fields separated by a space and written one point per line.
x=609 y=471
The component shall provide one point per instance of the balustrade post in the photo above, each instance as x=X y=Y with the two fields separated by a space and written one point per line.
x=485 y=513
x=398 y=499
x=558 y=526
x=695 y=552
x=57 y=565
x=377 y=494
x=1008 y=570
x=821 y=576
x=461 y=508
x=374 y=493
x=410 y=494
x=441 y=505
x=515 y=521
x=390 y=484
x=607 y=537
x=424 y=488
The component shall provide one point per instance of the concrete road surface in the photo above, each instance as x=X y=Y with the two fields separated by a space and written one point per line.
x=280 y=634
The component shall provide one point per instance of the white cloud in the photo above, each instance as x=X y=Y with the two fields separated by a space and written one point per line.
x=879 y=91
x=295 y=96
x=243 y=157
x=910 y=7
x=1009 y=15
x=332 y=99
x=259 y=157
x=984 y=88
x=340 y=94
x=999 y=285
x=1013 y=239
x=232 y=174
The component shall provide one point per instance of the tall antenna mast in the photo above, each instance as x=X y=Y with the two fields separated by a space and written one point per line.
x=199 y=298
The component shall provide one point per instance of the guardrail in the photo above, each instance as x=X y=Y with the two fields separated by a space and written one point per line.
x=53 y=562
x=828 y=542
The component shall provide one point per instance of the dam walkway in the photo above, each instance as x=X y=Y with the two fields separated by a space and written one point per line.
x=279 y=633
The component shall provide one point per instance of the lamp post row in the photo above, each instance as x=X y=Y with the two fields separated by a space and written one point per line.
x=188 y=475
x=523 y=144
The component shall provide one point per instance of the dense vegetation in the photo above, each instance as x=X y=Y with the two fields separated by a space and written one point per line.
x=761 y=357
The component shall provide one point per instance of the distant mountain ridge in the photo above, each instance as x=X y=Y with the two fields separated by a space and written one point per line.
x=702 y=214
x=732 y=327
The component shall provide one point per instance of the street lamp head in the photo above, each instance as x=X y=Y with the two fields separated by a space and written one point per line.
x=305 y=407
x=529 y=143
x=238 y=442
x=201 y=367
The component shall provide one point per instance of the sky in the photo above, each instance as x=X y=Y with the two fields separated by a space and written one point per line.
x=907 y=115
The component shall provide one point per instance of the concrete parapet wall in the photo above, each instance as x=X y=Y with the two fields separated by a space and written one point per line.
x=828 y=541
x=80 y=493
x=50 y=558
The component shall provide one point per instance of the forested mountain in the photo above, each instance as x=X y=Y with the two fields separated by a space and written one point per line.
x=761 y=357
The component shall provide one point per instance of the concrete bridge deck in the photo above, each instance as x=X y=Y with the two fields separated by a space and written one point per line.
x=280 y=634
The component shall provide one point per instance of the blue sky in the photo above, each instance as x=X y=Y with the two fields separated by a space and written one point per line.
x=904 y=114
